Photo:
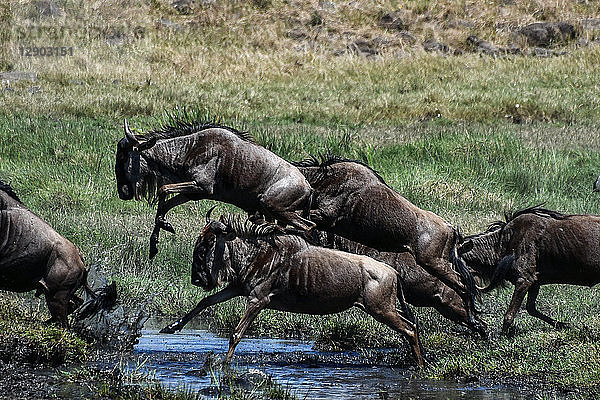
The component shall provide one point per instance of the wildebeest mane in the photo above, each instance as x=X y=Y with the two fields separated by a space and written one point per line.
x=536 y=210
x=5 y=187
x=181 y=126
x=325 y=160
x=248 y=229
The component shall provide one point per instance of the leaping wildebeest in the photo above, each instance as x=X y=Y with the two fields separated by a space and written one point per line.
x=196 y=160
x=284 y=272
x=33 y=256
x=421 y=289
x=535 y=247
x=351 y=200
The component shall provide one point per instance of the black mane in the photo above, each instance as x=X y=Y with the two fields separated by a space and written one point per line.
x=183 y=125
x=325 y=160
x=246 y=228
x=5 y=187
x=535 y=210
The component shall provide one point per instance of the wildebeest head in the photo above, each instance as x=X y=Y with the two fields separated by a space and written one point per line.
x=131 y=169
x=481 y=252
x=210 y=261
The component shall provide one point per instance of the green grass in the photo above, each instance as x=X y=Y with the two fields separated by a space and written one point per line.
x=26 y=339
x=445 y=132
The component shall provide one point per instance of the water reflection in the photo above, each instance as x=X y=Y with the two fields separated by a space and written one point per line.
x=178 y=359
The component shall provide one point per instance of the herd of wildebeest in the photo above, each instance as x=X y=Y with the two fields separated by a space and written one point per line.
x=321 y=236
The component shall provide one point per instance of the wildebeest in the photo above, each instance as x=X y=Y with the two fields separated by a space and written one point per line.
x=421 y=289
x=597 y=184
x=535 y=247
x=197 y=160
x=33 y=256
x=351 y=200
x=284 y=272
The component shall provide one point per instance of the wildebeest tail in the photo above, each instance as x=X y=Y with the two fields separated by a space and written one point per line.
x=308 y=206
x=104 y=298
x=466 y=276
x=499 y=275
x=400 y=295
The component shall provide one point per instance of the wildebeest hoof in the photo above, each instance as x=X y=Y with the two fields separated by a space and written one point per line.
x=509 y=331
x=153 y=249
x=561 y=325
x=162 y=224
x=170 y=328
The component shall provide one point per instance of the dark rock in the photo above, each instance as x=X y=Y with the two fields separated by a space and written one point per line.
x=393 y=21
x=433 y=45
x=326 y=5
x=363 y=48
x=48 y=8
x=407 y=37
x=296 y=34
x=315 y=19
x=541 y=52
x=590 y=23
x=544 y=34
x=114 y=37
x=166 y=23
x=14 y=76
x=483 y=46
x=184 y=7
x=253 y=378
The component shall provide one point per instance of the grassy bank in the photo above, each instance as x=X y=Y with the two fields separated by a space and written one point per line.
x=466 y=136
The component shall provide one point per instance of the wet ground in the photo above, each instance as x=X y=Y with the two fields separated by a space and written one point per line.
x=177 y=360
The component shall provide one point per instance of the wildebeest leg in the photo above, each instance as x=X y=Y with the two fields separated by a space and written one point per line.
x=255 y=305
x=219 y=297
x=379 y=301
x=521 y=288
x=184 y=191
x=165 y=207
x=284 y=214
x=159 y=220
x=402 y=325
x=58 y=305
x=74 y=303
x=534 y=312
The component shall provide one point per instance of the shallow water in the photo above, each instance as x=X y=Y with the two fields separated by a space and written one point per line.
x=177 y=360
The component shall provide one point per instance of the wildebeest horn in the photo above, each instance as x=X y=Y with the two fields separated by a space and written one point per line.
x=208 y=213
x=129 y=135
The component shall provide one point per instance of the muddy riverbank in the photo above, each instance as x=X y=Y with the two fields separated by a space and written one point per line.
x=188 y=362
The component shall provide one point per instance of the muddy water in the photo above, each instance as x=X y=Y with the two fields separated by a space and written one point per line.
x=176 y=360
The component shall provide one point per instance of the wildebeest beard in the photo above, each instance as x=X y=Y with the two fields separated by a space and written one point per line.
x=146 y=181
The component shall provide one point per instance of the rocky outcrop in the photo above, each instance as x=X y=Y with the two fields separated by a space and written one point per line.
x=545 y=34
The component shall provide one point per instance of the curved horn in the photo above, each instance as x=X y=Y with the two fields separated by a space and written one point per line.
x=208 y=214
x=129 y=135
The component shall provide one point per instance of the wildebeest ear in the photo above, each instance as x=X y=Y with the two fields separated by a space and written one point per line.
x=465 y=247
x=147 y=144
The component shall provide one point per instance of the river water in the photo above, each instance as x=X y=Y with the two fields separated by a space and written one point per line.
x=177 y=360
